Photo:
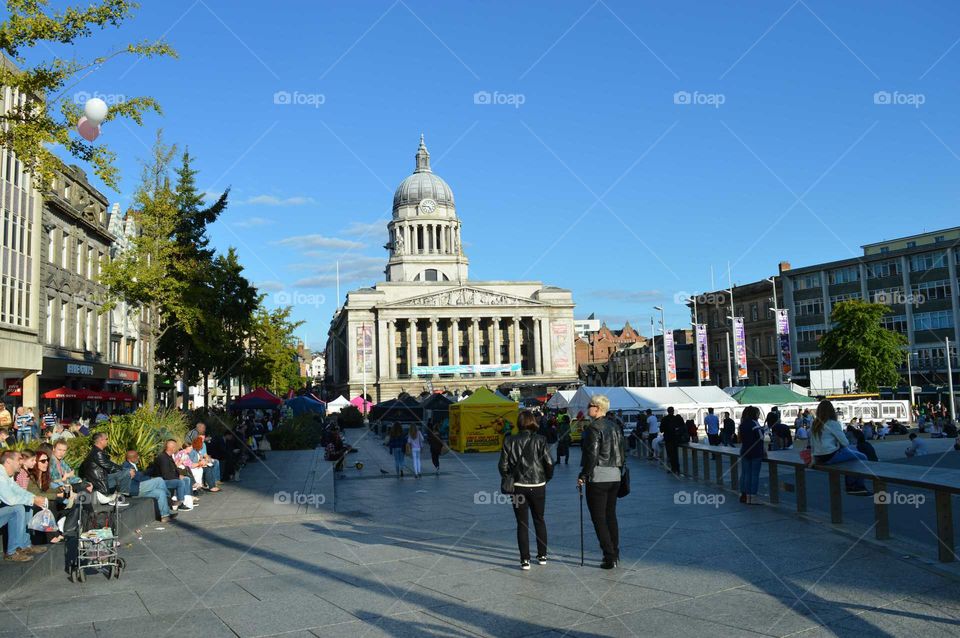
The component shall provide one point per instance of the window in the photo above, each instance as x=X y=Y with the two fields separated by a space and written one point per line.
x=938 y=239
x=933 y=320
x=771 y=345
x=78 y=329
x=927 y=261
x=884 y=249
x=755 y=344
x=889 y=268
x=846 y=275
x=63 y=325
x=51 y=245
x=99 y=333
x=911 y=244
x=754 y=312
x=88 y=344
x=805 y=282
x=90 y=262
x=809 y=334
x=848 y=296
x=430 y=274
x=49 y=338
x=929 y=290
x=890 y=296
x=129 y=354
x=115 y=350
x=808 y=307
x=808 y=362
x=896 y=323
x=64 y=258
x=739 y=312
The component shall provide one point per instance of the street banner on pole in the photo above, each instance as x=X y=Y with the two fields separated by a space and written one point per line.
x=783 y=335
x=703 y=353
x=740 y=348
x=671 y=356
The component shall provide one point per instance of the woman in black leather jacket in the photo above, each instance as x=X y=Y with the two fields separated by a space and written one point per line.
x=526 y=459
x=602 y=459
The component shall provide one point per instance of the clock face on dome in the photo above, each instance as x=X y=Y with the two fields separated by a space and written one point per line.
x=427 y=206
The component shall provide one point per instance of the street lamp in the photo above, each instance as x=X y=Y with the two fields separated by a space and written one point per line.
x=696 y=343
x=776 y=330
x=666 y=360
x=653 y=339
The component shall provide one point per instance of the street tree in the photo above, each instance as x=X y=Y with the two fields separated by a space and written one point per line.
x=859 y=341
x=37 y=127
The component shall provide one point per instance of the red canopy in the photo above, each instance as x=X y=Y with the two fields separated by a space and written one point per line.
x=15 y=393
x=65 y=393
x=97 y=395
x=261 y=395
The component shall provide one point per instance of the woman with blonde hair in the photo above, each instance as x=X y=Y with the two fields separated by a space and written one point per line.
x=415 y=442
x=829 y=444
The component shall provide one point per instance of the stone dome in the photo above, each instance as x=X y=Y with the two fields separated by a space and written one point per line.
x=422 y=184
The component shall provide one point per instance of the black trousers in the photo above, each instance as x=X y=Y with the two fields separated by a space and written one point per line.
x=435 y=456
x=714 y=439
x=602 y=503
x=532 y=500
x=673 y=455
x=651 y=437
x=563 y=451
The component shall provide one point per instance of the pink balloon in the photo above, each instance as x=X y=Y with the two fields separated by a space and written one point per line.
x=87 y=129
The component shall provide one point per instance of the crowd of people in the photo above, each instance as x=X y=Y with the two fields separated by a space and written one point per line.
x=41 y=486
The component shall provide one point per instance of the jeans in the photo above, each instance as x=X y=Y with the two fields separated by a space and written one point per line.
x=119 y=482
x=673 y=454
x=726 y=437
x=15 y=518
x=533 y=500
x=415 y=455
x=26 y=434
x=602 y=503
x=849 y=454
x=182 y=485
x=398 y=460
x=750 y=475
x=155 y=488
x=211 y=474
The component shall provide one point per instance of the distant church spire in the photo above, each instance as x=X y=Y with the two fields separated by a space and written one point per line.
x=423 y=158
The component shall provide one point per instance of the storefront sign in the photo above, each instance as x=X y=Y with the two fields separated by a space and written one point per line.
x=121 y=374
x=58 y=368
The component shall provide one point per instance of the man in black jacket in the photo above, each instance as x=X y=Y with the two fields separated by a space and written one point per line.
x=105 y=475
x=674 y=432
x=602 y=458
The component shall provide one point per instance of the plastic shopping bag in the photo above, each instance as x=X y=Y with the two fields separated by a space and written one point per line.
x=43 y=521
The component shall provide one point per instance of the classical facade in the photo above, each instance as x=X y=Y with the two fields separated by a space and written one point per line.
x=428 y=326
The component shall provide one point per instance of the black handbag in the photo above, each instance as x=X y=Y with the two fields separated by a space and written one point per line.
x=624 y=482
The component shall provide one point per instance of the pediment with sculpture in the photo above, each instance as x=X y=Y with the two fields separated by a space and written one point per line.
x=466 y=296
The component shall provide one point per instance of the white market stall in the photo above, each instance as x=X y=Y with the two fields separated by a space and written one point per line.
x=337 y=404
x=560 y=399
x=689 y=402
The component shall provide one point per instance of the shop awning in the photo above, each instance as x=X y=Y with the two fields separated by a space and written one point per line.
x=65 y=393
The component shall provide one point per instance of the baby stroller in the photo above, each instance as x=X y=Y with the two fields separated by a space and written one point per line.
x=98 y=541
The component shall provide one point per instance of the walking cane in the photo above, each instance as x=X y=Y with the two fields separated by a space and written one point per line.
x=580 y=492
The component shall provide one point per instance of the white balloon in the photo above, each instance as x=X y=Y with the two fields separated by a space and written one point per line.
x=96 y=110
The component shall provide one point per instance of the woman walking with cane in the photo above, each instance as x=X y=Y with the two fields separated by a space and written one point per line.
x=602 y=460
x=525 y=461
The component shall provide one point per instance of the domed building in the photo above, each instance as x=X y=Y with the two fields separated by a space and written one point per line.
x=427 y=326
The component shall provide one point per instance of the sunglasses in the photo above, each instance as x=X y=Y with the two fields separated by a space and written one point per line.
x=43 y=461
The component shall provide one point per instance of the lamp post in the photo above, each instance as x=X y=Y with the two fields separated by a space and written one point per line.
x=666 y=359
x=776 y=330
x=696 y=343
x=653 y=339
x=953 y=407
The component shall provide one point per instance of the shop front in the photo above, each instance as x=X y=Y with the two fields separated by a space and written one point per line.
x=71 y=374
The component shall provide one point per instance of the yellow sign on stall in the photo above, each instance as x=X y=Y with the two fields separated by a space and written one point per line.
x=480 y=422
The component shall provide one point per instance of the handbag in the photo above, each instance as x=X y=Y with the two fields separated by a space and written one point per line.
x=624 y=482
x=806 y=456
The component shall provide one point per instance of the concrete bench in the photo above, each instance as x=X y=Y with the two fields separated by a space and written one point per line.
x=943 y=483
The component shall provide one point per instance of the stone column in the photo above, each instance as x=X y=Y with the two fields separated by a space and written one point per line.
x=392 y=348
x=434 y=343
x=475 y=342
x=411 y=345
x=455 y=341
x=382 y=351
x=547 y=345
x=495 y=358
x=515 y=342
x=537 y=360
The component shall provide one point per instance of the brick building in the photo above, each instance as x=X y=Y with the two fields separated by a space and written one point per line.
x=598 y=346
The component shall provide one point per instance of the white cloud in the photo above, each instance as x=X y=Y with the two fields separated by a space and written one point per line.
x=366 y=229
x=319 y=241
x=631 y=296
x=366 y=275
x=269 y=286
x=271 y=200
x=250 y=222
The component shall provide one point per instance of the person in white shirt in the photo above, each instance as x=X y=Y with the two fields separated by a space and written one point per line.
x=653 y=431
x=917 y=447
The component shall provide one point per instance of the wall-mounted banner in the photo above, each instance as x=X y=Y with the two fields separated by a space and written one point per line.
x=783 y=335
x=364 y=362
x=703 y=353
x=671 y=357
x=561 y=345
x=467 y=368
x=740 y=347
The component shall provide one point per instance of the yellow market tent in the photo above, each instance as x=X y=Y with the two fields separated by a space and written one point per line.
x=477 y=423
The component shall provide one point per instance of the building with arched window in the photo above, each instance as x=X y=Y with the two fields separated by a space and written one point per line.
x=428 y=326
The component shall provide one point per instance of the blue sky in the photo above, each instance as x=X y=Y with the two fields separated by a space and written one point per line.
x=585 y=172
